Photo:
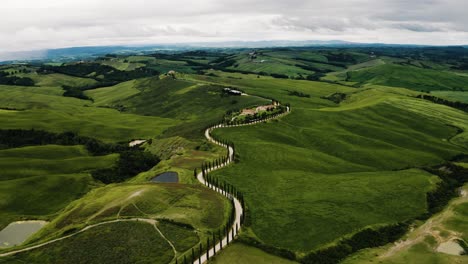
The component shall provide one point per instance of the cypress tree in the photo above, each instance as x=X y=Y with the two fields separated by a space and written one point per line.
x=207 y=248
x=220 y=239
x=199 y=256
x=227 y=235
x=214 y=244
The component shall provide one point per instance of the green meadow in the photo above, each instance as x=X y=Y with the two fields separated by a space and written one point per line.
x=318 y=187
x=39 y=181
x=122 y=242
x=410 y=77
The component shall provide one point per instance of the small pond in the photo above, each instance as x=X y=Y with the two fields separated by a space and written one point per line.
x=451 y=247
x=168 y=176
x=17 y=232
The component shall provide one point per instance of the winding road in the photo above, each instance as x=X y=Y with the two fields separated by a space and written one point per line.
x=239 y=211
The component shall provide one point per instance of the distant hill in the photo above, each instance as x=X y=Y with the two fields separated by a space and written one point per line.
x=76 y=53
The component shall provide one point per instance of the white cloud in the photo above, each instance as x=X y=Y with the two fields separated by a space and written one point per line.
x=35 y=24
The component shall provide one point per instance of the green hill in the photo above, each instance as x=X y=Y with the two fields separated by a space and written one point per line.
x=409 y=77
x=321 y=186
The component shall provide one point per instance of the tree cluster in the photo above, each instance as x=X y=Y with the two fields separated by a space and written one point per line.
x=438 y=100
x=15 y=80
x=130 y=163
x=298 y=94
x=14 y=138
x=452 y=177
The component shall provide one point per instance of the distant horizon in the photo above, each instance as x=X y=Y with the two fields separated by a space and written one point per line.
x=30 y=25
x=38 y=54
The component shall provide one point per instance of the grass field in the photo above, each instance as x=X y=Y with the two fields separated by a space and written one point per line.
x=39 y=181
x=318 y=186
x=122 y=242
x=239 y=253
x=122 y=65
x=109 y=96
x=409 y=77
x=57 y=80
x=190 y=204
x=191 y=105
x=452 y=95
x=42 y=109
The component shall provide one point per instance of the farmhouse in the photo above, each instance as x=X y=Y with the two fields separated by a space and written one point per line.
x=248 y=112
x=232 y=91
x=171 y=73
x=264 y=108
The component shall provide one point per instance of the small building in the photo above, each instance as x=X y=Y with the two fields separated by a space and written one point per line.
x=232 y=91
x=248 y=112
x=171 y=73
x=264 y=108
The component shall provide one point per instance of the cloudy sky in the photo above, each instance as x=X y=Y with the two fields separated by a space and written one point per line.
x=40 y=24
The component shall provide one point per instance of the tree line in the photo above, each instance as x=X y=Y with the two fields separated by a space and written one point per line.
x=109 y=76
x=298 y=94
x=455 y=104
x=369 y=237
x=453 y=177
x=6 y=79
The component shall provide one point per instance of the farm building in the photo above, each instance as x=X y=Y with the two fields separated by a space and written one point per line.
x=232 y=91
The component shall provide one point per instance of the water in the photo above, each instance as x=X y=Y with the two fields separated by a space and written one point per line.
x=168 y=176
x=450 y=247
x=17 y=232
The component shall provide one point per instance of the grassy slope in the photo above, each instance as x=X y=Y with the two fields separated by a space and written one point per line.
x=121 y=65
x=354 y=159
x=35 y=161
x=194 y=205
x=196 y=106
x=39 y=181
x=409 y=77
x=48 y=111
x=125 y=242
x=239 y=253
x=57 y=80
x=109 y=96
x=451 y=95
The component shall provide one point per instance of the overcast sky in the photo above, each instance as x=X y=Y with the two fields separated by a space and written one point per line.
x=40 y=24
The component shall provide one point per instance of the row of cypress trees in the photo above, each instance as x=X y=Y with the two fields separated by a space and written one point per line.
x=229 y=230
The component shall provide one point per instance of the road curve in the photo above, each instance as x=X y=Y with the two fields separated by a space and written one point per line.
x=239 y=211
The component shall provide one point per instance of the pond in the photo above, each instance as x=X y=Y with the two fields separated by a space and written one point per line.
x=451 y=247
x=168 y=176
x=17 y=232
